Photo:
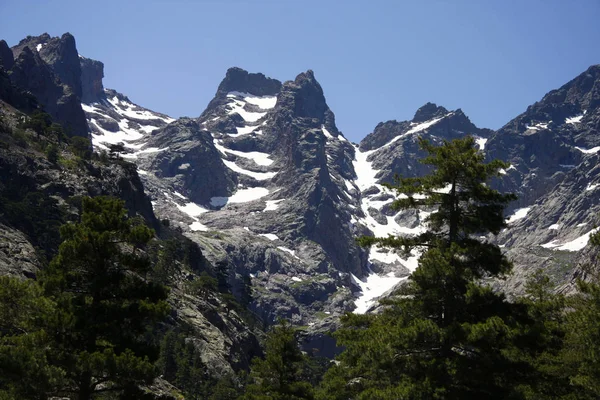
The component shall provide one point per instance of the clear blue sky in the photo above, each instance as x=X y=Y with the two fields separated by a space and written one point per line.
x=376 y=60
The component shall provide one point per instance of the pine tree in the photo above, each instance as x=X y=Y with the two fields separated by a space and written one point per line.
x=279 y=375
x=98 y=279
x=222 y=275
x=246 y=296
x=26 y=315
x=446 y=336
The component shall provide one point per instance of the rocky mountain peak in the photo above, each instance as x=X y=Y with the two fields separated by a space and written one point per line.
x=428 y=112
x=304 y=98
x=239 y=80
x=6 y=56
x=59 y=53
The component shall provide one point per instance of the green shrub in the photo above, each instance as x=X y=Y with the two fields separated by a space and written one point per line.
x=52 y=153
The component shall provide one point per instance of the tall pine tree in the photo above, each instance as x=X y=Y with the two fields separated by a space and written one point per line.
x=279 y=375
x=98 y=279
x=446 y=336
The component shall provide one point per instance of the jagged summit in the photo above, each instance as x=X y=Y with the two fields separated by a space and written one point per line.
x=430 y=117
x=239 y=80
x=6 y=57
x=304 y=98
x=428 y=112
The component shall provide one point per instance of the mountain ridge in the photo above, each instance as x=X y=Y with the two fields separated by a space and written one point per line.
x=264 y=180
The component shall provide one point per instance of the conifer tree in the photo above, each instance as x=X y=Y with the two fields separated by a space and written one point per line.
x=98 y=279
x=25 y=318
x=445 y=336
x=246 y=296
x=279 y=375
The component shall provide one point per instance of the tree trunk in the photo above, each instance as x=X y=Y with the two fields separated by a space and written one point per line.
x=85 y=387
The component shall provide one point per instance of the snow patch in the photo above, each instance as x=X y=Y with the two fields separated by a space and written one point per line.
x=237 y=106
x=183 y=166
x=593 y=150
x=592 y=186
x=538 y=126
x=264 y=102
x=256 y=156
x=374 y=286
x=574 y=120
x=481 y=142
x=241 y=196
x=191 y=209
x=579 y=243
x=270 y=236
x=197 y=226
x=272 y=205
x=259 y=176
x=145 y=151
x=554 y=226
x=290 y=251
x=326 y=133
x=518 y=214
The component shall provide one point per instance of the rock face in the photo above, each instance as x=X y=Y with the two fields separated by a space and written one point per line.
x=92 y=72
x=553 y=148
x=49 y=68
x=6 y=57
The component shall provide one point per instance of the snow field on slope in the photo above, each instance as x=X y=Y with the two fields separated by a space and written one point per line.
x=574 y=120
x=593 y=150
x=574 y=245
x=240 y=196
x=264 y=102
x=270 y=236
x=237 y=106
x=145 y=151
x=131 y=113
x=518 y=214
x=125 y=134
x=272 y=205
x=374 y=286
x=259 y=176
x=481 y=142
x=256 y=156
x=538 y=126
x=289 y=251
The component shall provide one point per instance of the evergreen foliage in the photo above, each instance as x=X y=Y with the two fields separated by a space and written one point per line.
x=279 y=375
x=97 y=279
x=25 y=318
x=445 y=336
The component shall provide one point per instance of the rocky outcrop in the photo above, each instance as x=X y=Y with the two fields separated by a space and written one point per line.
x=92 y=72
x=49 y=69
x=188 y=154
x=6 y=57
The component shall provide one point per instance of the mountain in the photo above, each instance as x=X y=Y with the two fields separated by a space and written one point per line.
x=264 y=181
